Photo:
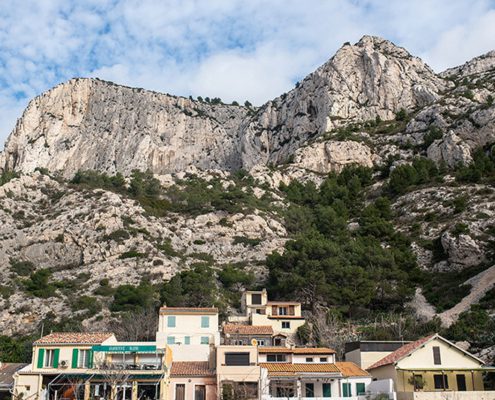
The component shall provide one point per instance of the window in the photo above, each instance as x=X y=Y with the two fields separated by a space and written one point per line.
x=309 y=359
x=83 y=360
x=323 y=359
x=180 y=391
x=236 y=359
x=205 y=340
x=200 y=392
x=187 y=339
x=256 y=298
x=282 y=311
x=418 y=382
x=346 y=390
x=327 y=390
x=261 y=342
x=205 y=322
x=441 y=381
x=238 y=342
x=285 y=325
x=50 y=359
x=276 y=358
x=170 y=339
x=171 y=321
x=436 y=355
x=461 y=382
x=310 y=389
x=360 y=388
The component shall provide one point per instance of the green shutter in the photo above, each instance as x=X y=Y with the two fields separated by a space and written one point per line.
x=41 y=357
x=56 y=354
x=347 y=389
x=75 y=354
x=360 y=388
x=327 y=390
x=90 y=359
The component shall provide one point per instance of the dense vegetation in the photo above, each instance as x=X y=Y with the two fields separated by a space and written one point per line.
x=366 y=267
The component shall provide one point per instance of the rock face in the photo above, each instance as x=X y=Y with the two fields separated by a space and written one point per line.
x=333 y=156
x=451 y=150
x=91 y=124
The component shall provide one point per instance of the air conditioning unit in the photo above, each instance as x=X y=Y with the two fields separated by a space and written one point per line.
x=63 y=364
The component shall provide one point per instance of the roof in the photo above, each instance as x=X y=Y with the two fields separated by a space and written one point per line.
x=348 y=369
x=248 y=329
x=7 y=371
x=74 y=338
x=409 y=348
x=191 y=368
x=375 y=345
x=296 y=350
x=287 y=369
x=188 y=310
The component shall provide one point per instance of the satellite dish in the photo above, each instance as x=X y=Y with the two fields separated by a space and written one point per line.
x=254 y=342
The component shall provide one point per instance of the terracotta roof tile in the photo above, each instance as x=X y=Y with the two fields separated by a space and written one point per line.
x=401 y=352
x=248 y=329
x=296 y=350
x=283 y=369
x=191 y=368
x=348 y=368
x=74 y=338
x=188 y=310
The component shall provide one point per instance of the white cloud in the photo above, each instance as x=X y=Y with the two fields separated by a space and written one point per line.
x=233 y=49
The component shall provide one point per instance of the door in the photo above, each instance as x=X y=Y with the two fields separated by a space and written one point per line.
x=461 y=382
x=200 y=392
x=346 y=390
x=327 y=390
x=180 y=391
x=310 y=389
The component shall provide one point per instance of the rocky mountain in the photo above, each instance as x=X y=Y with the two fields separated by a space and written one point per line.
x=225 y=197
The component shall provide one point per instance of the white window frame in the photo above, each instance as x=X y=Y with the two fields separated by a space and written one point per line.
x=171 y=337
x=283 y=311
x=187 y=340
x=171 y=318
x=204 y=337
x=49 y=358
x=83 y=358
x=207 y=319
x=285 y=323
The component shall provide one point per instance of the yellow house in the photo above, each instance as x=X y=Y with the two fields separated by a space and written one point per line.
x=94 y=365
x=432 y=364
x=285 y=317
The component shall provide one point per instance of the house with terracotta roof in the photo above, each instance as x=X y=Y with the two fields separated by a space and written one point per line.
x=309 y=373
x=243 y=335
x=73 y=365
x=191 y=332
x=431 y=367
x=285 y=317
x=193 y=380
x=7 y=371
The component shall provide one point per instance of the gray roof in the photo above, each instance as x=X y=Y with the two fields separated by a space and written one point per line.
x=7 y=371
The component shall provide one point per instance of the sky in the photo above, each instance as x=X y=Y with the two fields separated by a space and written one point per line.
x=233 y=49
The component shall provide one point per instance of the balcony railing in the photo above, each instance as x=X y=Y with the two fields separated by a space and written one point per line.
x=128 y=366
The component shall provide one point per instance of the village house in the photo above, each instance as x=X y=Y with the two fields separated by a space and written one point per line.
x=94 y=365
x=190 y=332
x=285 y=317
x=433 y=368
x=193 y=380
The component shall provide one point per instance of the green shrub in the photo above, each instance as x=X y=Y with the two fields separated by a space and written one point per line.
x=86 y=303
x=21 y=268
x=38 y=284
x=132 y=254
x=118 y=236
x=104 y=288
x=434 y=133
x=460 y=229
x=245 y=241
x=7 y=176
x=230 y=276
x=131 y=298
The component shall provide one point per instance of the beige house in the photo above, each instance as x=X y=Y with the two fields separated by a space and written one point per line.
x=365 y=353
x=190 y=332
x=193 y=380
x=433 y=368
x=94 y=365
x=284 y=317
x=244 y=335
x=238 y=372
x=309 y=373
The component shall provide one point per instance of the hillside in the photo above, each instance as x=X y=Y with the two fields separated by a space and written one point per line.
x=366 y=191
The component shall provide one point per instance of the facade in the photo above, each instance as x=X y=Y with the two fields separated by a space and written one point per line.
x=189 y=332
x=193 y=380
x=238 y=372
x=284 y=317
x=243 y=335
x=430 y=367
x=94 y=365
x=367 y=352
x=309 y=373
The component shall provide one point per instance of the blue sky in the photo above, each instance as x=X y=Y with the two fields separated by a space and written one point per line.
x=233 y=49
